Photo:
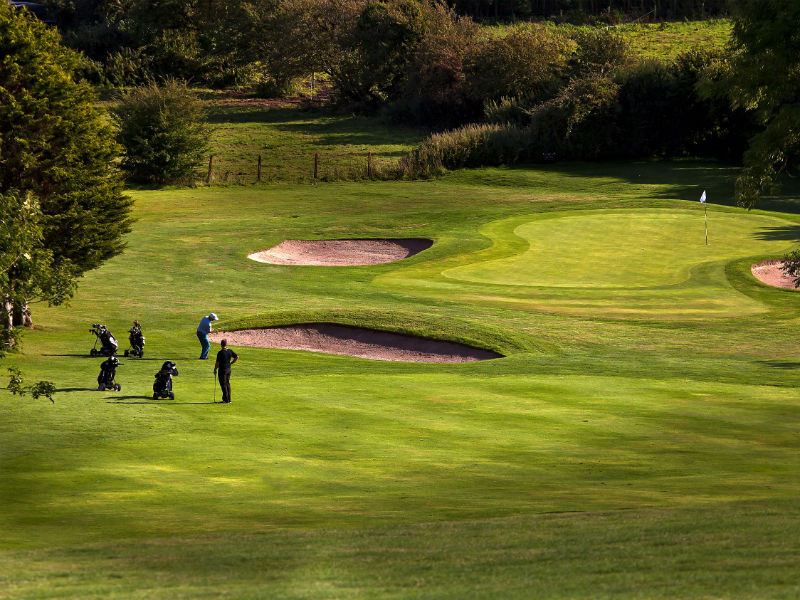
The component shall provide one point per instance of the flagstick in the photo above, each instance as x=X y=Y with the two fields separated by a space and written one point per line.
x=705 y=207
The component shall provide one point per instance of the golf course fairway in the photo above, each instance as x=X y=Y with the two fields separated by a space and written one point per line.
x=639 y=439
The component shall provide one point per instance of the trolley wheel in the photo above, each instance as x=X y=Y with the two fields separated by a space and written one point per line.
x=171 y=396
x=92 y=352
x=141 y=353
x=118 y=387
x=126 y=354
x=155 y=396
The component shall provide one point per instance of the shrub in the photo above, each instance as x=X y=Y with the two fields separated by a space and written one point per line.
x=436 y=84
x=468 y=146
x=527 y=63
x=598 y=51
x=507 y=110
x=579 y=122
x=128 y=67
x=386 y=36
x=270 y=87
x=163 y=131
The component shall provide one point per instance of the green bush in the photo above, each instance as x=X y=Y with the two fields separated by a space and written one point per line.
x=163 y=131
x=270 y=87
x=529 y=62
x=128 y=67
x=436 y=84
x=474 y=145
x=597 y=51
x=507 y=110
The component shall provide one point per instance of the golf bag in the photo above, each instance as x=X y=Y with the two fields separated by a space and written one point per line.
x=136 y=339
x=162 y=386
x=108 y=369
x=108 y=343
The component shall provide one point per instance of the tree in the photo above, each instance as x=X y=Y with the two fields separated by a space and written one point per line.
x=164 y=132
x=60 y=192
x=765 y=77
x=27 y=268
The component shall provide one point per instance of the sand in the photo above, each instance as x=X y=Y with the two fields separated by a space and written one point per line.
x=771 y=273
x=341 y=253
x=355 y=341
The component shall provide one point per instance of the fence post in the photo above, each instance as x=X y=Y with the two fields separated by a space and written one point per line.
x=316 y=165
x=210 y=164
x=369 y=165
x=258 y=177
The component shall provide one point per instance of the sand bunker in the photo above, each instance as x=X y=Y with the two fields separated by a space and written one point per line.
x=341 y=253
x=771 y=273
x=355 y=341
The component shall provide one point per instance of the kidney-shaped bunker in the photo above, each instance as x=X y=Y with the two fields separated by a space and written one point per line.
x=355 y=341
x=341 y=253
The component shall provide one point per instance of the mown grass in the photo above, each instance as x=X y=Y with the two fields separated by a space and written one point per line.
x=660 y=41
x=289 y=137
x=611 y=454
x=669 y=39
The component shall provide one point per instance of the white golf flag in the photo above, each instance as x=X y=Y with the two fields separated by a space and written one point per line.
x=703 y=196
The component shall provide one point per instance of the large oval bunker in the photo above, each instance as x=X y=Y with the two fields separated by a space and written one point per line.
x=341 y=253
x=360 y=342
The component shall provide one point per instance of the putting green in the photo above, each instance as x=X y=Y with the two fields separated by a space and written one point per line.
x=652 y=262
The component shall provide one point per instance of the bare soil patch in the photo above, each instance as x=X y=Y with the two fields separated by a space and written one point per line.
x=341 y=253
x=355 y=341
x=771 y=273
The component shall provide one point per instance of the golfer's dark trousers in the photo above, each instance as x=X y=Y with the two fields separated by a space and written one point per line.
x=225 y=384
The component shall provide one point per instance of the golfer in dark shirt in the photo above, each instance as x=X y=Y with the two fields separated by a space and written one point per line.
x=225 y=358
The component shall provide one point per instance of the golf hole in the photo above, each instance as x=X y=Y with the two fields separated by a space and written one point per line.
x=341 y=253
x=771 y=273
x=331 y=338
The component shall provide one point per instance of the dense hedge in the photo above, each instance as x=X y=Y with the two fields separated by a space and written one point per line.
x=649 y=109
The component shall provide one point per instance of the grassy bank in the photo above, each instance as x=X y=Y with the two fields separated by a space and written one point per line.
x=626 y=447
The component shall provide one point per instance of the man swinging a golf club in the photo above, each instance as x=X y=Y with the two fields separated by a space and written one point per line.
x=225 y=359
x=203 y=329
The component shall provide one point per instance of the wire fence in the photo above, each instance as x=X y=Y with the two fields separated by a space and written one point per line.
x=319 y=166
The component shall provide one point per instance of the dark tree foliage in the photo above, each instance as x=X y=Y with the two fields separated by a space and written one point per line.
x=765 y=77
x=386 y=36
x=57 y=148
x=791 y=266
x=134 y=41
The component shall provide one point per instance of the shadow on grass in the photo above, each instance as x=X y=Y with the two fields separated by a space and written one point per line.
x=683 y=179
x=131 y=359
x=76 y=389
x=354 y=131
x=789 y=233
x=145 y=400
x=239 y=114
x=780 y=364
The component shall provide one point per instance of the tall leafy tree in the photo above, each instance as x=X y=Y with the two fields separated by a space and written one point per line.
x=57 y=165
x=766 y=78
